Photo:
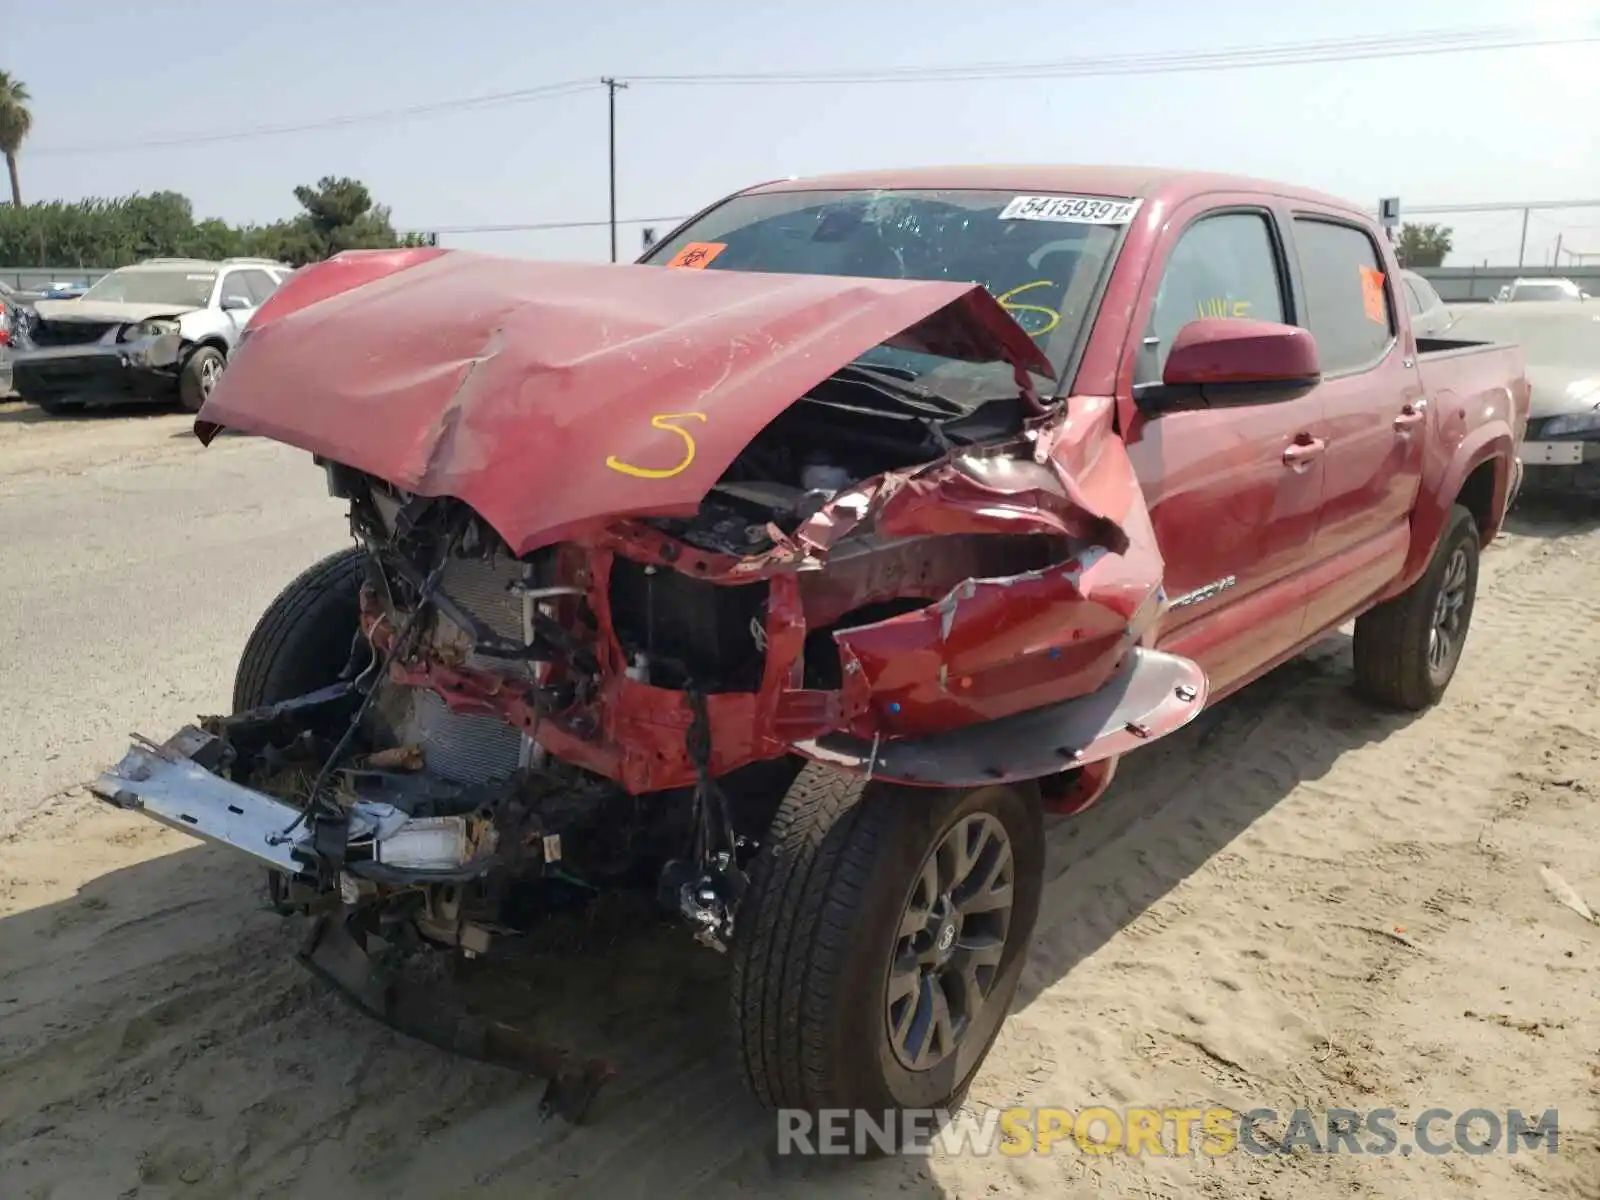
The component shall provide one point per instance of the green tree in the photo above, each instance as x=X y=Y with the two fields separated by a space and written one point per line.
x=339 y=214
x=15 y=123
x=1423 y=245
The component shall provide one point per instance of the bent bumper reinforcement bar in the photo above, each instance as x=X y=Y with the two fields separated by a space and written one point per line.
x=163 y=783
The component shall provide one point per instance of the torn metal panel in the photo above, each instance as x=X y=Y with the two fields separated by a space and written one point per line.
x=1027 y=583
x=633 y=387
x=1150 y=695
x=992 y=647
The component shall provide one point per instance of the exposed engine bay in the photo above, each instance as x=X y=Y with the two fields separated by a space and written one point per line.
x=437 y=760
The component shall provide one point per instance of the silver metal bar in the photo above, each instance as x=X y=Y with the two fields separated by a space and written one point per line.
x=180 y=793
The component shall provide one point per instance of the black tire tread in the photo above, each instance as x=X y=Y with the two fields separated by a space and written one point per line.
x=788 y=953
x=268 y=667
x=1391 y=641
x=189 y=394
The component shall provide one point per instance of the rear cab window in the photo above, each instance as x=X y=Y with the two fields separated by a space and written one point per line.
x=1348 y=297
x=1225 y=264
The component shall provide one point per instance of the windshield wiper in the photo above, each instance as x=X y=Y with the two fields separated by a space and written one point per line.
x=905 y=373
x=887 y=381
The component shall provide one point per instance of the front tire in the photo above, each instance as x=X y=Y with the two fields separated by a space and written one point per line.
x=1407 y=648
x=882 y=941
x=199 y=376
x=304 y=639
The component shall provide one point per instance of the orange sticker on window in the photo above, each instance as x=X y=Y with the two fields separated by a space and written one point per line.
x=1372 y=296
x=696 y=255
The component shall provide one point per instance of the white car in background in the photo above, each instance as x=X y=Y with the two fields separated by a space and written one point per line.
x=1521 y=291
x=1429 y=315
x=158 y=330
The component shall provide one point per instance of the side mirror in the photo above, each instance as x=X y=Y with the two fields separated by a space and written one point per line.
x=1222 y=361
x=234 y=303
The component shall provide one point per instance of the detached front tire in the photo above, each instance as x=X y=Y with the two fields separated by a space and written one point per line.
x=1407 y=648
x=304 y=638
x=882 y=941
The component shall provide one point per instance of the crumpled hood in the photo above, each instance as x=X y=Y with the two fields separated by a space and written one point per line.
x=127 y=313
x=551 y=396
x=1551 y=397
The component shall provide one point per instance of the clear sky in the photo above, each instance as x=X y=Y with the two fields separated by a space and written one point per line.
x=1459 y=128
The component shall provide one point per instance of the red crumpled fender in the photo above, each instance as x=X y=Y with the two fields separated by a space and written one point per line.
x=993 y=647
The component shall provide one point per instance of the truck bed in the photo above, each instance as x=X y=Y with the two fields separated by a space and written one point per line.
x=1436 y=347
x=1472 y=372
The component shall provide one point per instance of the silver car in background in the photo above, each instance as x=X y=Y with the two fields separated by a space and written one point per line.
x=1536 y=290
x=1560 y=341
x=159 y=330
x=1430 y=317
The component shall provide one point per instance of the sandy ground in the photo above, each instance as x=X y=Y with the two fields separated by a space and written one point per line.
x=1295 y=902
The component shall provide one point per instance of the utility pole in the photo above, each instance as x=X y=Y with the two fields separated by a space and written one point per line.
x=612 y=87
x=1558 y=249
x=1522 y=253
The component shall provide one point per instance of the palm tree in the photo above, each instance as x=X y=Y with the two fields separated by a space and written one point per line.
x=15 y=122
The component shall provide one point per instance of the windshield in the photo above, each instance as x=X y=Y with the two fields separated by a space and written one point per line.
x=191 y=289
x=1042 y=261
x=1548 y=339
x=1544 y=291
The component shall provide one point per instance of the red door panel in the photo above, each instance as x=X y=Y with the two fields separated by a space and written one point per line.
x=1233 y=493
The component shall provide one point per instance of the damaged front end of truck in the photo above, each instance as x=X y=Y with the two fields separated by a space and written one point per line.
x=636 y=544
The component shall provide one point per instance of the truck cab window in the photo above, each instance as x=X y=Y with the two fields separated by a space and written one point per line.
x=1349 y=309
x=1222 y=266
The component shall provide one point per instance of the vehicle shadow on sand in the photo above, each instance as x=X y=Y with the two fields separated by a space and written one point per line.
x=1552 y=516
x=20 y=412
x=158 y=1038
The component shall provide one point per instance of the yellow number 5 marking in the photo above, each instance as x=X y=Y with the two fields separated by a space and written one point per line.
x=1053 y=317
x=663 y=421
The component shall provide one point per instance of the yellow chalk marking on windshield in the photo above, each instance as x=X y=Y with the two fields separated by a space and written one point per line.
x=1052 y=314
x=662 y=421
x=1221 y=306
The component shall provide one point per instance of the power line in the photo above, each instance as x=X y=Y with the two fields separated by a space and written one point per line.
x=549 y=91
x=1229 y=58
x=1411 y=209
x=1232 y=58
x=1500 y=206
x=538 y=226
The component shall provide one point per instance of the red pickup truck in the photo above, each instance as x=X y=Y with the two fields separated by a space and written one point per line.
x=800 y=568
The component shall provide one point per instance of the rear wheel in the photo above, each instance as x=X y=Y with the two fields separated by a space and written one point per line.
x=1407 y=649
x=304 y=639
x=882 y=941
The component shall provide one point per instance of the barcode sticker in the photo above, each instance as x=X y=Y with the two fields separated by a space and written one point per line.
x=1070 y=210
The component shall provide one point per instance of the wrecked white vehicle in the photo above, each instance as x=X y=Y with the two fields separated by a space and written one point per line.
x=162 y=329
